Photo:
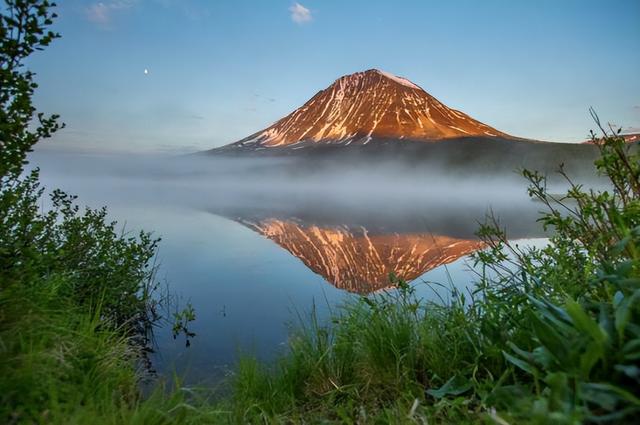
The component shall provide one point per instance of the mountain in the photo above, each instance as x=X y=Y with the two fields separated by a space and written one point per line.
x=373 y=117
x=366 y=106
x=357 y=260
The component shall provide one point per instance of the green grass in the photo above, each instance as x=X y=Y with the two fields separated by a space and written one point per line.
x=373 y=361
x=62 y=365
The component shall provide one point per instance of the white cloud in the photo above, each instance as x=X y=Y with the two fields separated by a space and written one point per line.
x=101 y=13
x=98 y=13
x=300 y=14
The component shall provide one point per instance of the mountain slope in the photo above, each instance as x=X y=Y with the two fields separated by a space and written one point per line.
x=368 y=105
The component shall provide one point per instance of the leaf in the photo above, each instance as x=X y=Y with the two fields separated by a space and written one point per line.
x=589 y=358
x=522 y=353
x=455 y=386
x=551 y=340
x=620 y=246
x=550 y=311
x=632 y=371
x=623 y=312
x=631 y=350
x=586 y=324
x=617 y=298
x=603 y=394
x=522 y=364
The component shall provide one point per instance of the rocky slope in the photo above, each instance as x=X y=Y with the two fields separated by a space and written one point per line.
x=366 y=106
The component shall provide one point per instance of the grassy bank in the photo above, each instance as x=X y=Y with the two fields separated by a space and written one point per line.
x=76 y=303
x=63 y=365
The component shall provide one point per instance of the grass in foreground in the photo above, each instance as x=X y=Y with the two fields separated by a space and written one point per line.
x=63 y=364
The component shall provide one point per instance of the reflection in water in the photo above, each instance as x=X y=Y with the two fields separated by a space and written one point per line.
x=349 y=228
x=356 y=260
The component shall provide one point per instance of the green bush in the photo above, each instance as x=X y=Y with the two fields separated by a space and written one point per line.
x=98 y=265
x=76 y=295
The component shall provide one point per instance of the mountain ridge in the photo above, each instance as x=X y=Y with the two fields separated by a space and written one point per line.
x=364 y=106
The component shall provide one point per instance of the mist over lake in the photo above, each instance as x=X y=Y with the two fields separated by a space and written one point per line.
x=255 y=244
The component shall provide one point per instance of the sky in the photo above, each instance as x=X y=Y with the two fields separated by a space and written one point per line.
x=185 y=75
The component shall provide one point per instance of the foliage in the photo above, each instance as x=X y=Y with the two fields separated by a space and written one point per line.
x=23 y=30
x=181 y=320
x=76 y=295
x=99 y=265
x=585 y=325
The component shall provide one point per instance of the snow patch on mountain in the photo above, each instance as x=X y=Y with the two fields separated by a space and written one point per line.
x=399 y=80
x=366 y=106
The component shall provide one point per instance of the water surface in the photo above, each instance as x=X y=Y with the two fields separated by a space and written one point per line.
x=254 y=250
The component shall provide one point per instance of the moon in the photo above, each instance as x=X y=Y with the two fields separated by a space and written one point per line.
x=146 y=71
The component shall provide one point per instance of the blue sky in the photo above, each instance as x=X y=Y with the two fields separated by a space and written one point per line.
x=220 y=70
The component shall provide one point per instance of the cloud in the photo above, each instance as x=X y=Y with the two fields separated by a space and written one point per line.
x=98 y=13
x=101 y=13
x=300 y=14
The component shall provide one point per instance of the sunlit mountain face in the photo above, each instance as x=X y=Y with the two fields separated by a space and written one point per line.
x=367 y=106
x=358 y=260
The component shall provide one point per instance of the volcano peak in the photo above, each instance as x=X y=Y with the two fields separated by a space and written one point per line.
x=364 y=106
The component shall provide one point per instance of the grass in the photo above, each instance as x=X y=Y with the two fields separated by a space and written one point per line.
x=374 y=361
x=63 y=365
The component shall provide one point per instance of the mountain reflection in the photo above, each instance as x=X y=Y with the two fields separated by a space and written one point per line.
x=358 y=260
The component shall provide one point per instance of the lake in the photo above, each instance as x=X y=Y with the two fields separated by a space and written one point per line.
x=254 y=251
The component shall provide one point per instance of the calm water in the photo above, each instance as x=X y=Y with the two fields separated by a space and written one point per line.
x=251 y=255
